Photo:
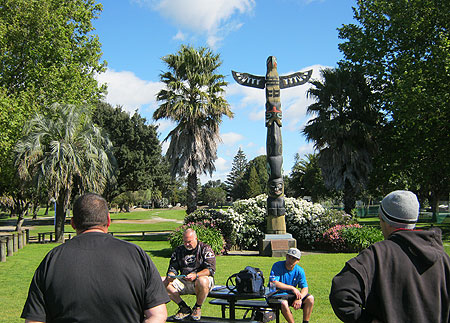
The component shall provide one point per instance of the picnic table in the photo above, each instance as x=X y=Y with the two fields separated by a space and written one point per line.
x=233 y=300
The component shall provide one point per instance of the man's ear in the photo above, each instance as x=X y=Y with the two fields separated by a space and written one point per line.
x=109 y=221
x=73 y=224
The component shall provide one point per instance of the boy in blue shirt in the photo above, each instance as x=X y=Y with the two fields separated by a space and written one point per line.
x=288 y=275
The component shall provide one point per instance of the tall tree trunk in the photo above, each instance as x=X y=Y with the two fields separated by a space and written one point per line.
x=20 y=220
x=60 y=215
x=349 y=198
x=434 y=202
x=192 y=193
x=35 y=210
x=21 y=208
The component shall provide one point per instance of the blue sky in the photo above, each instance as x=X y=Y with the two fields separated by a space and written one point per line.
x=301 y=34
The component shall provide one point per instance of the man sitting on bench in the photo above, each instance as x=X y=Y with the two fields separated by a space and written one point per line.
x=287 y=276
x=196 y=263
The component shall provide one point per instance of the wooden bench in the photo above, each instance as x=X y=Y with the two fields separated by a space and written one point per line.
x=208 y=319
x=249 y=305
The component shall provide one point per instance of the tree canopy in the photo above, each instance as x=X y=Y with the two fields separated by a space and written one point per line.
x=403 y=47
x=343 y=130
x=234 y=179
x=47 y=49
x=62 y=151
x=193 y=99
x=255 y=177
x=48 y=54
x=137 y=149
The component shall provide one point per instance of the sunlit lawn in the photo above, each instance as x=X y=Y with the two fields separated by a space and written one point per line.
x=17 y=271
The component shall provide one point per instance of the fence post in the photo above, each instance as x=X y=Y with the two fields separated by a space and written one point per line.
x=15 y=242
x=27 y=236
x=2 y=250
x=10 y=247
x=20 y=240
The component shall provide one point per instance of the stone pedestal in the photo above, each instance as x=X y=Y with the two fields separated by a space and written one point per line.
x=276 y=245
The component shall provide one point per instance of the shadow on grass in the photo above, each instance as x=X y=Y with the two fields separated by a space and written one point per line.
x=163 y=253
x=155 y=237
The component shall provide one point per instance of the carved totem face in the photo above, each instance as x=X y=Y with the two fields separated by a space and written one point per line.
x=276 y=187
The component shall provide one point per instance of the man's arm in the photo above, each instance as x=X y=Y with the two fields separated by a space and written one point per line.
x=347 y=296
x=30 y=321
x=288 y=288
x=157 y=314
x=174 y=266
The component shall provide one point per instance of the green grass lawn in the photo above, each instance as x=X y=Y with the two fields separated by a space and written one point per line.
x=17 y=271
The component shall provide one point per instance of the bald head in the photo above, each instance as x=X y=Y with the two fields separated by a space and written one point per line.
x=190 y=240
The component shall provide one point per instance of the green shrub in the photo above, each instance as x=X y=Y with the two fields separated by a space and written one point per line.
x=206 y=232
x=220 y=221
x=350 y=238
x=357 y=239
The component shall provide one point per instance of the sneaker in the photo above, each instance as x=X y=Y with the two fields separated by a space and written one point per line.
x=196 y=313
x=182 y=313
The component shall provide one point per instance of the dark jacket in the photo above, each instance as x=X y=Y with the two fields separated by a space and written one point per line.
x=188 y=261
x=405 y=278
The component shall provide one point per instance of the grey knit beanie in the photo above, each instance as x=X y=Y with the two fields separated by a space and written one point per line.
x=400 y=209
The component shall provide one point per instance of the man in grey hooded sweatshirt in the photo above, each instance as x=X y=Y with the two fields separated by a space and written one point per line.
x=405 y=278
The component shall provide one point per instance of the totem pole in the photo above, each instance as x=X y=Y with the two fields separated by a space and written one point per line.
x=273 y=83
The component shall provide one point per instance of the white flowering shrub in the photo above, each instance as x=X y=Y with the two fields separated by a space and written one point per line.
x=244 y=223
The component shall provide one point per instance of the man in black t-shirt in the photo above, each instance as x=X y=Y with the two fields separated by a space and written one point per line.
x=95 y=277
x=196 y=263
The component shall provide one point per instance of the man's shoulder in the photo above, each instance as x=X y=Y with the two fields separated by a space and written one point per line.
x=297 y=268
x=204 y=246
x=279 y=265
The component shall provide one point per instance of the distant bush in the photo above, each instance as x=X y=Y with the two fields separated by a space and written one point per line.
x=244 y=223
x=220 y=219
x=350 y=238
x=206 y=232
x=357 y=239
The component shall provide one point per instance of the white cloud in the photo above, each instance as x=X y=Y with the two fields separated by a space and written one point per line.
x=256 y=115
x=261 y=151
x=231 y=138
x=306 y=149
x=164 y=124
x=179 y=36
x=210 y=18
x=221 y=164
x=129 y=91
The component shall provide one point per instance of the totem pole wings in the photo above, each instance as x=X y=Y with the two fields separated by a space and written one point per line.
x=259 y=82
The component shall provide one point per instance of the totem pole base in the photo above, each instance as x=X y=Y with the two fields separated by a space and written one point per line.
x=276 y=245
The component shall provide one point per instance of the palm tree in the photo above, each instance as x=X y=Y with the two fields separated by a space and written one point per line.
x=61 y=149
x=193 y=99
x=343 y=130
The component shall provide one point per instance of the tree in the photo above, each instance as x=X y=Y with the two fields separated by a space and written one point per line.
x=214 y=193
x=233 y=183
x=256 y=177
x=61 y=151
x=140 y=165
x=193 y=99
x=48 y=54
x=48 y=49
x=307 y=180
x=403 y=46
x=343 y=130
